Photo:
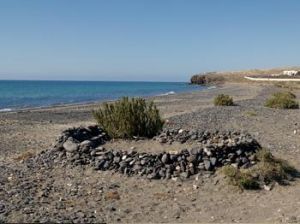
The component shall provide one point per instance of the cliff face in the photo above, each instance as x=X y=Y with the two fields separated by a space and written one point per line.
x=207 y=78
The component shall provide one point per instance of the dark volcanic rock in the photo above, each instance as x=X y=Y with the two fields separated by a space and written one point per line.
x=81 y=146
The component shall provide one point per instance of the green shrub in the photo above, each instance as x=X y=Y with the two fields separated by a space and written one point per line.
x=127 y=118
x=282 y=100
x=223 y=100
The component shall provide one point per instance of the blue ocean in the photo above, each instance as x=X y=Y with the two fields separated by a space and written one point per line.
x=29 y=94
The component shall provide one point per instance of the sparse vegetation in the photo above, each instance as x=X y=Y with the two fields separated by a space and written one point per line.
x=251 y=113
x=267 y=170
x=291 y=86
x=282 y=100
x=24 y=156
x=270 y=168
x=240 y=178
x=223 y=100
x=127 y=118
x=285 y=94
x=112 y=195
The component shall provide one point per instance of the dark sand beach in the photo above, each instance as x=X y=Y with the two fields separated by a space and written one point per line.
x=61 y=194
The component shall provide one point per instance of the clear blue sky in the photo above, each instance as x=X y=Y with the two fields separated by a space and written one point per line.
x=164 y=40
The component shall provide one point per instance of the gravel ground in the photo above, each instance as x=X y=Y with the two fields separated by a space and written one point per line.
x=30 y=192
x=273 y=128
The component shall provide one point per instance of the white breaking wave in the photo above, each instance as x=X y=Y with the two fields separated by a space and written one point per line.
x=168 y=93
x=212 y=87
x=5 y=110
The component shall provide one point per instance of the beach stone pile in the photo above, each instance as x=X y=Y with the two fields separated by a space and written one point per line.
x=85 y=146
x=77 y=144
x=230 y=138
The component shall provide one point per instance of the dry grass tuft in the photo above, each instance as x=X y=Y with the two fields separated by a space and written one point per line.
x=240 y=178
x=24 y=156
x=267 y=170
x=223 y=100
x=282 y=100
x=251 y=113
x=112 y=195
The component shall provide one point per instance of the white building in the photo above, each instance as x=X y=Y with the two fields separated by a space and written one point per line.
x=290 y=73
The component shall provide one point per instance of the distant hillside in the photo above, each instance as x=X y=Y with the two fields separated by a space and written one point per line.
x=234 y=76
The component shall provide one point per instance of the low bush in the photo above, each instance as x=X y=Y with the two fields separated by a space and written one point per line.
x=267 y=170
x=282 y=100
x=127 y=118
x=223 y=100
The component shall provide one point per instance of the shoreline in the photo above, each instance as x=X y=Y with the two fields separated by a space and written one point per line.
x=97 y=102
x=30 y=123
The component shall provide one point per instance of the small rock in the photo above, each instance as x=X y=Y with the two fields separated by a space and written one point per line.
x=70 y=146
x=268 y=187
x=235 y=165
x=239 y=152
x=207 y=165
x=152 y=175
x=163 y=140
x=80 y=214
x=207 y=151
x=213 y=161
x=184 y=175
x=2 y=208
x=252 y=157
x=194 y=151
x=117 y=159
x=27 y=210
x=86 y=143
x=194 y=137
x=162 y=173
x=201 y=166
x=165 y=158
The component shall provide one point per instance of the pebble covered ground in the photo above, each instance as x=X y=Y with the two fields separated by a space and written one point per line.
x=46 y=192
